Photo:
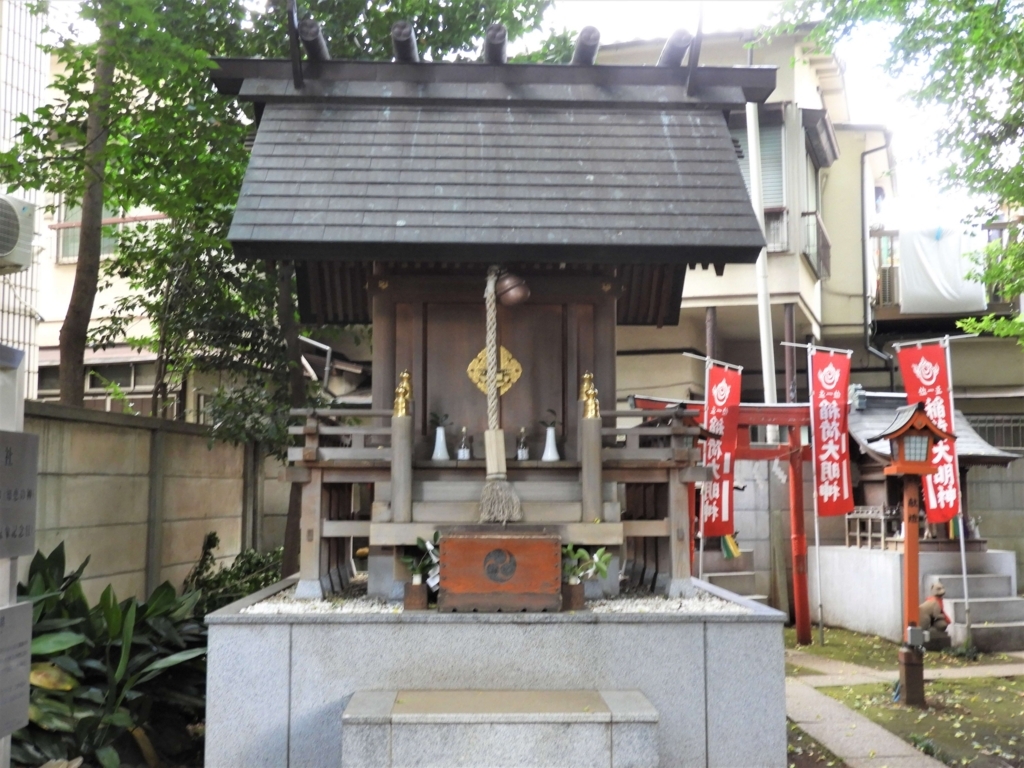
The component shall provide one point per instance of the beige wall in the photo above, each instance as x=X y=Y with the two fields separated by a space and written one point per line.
x=665 y=374
x=95 y=481
x=842 y=303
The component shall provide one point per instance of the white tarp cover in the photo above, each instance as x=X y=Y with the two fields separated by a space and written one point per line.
x=933 y=266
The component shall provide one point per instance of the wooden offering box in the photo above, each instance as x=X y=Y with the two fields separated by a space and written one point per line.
x=489 y=568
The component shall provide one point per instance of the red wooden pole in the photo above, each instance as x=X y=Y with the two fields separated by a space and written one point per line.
x=798 y=538
x=911 y=588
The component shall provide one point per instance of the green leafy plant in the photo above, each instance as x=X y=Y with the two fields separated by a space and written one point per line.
x=427 y=562
x=578 y=564
x=250 y=572
x=438 y=420
x=108 y=674
x=554 y=422
x=924 y=744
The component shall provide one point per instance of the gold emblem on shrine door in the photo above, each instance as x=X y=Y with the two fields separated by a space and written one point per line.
x=509 y=371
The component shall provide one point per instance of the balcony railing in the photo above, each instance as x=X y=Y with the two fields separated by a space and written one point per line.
x=885 y=251
x=817 y=246
x=1002 y=430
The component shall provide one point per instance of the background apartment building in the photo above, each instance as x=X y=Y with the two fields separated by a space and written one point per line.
x=23 y=76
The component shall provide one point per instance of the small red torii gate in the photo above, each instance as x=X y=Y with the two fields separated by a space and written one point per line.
x=793 y=416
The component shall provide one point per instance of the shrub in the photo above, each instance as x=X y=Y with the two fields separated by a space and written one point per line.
x=107 y=675
x=251 y=572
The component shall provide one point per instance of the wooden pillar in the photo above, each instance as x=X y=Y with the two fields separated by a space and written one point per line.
x=679 y=530
x=911 y=580
x=590 y=469
x=710 y=331
x=401 y=468
x=310 y=527
x=790 y=331
x=798 y=538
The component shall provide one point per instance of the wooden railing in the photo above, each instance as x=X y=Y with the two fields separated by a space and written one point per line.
x=340 y=434
x=874 y=527
x=658 y=437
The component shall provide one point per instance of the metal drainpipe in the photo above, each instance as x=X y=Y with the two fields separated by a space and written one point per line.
x=888 y=359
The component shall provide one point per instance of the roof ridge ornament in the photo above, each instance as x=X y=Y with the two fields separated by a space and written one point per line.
x=403 y=42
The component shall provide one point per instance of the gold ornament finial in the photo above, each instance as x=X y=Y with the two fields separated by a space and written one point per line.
x=591 y=405
x=586 y=383
x=405 y=383
x=401 y=403
x=403 y=394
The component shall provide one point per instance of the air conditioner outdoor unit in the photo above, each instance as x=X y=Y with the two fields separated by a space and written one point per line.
x=17 y=228
x=889 y=286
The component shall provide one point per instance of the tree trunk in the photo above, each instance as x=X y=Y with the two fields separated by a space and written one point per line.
x=297 y=399
x=75 y=331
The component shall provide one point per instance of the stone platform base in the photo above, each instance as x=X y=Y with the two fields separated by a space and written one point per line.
x=499 y=728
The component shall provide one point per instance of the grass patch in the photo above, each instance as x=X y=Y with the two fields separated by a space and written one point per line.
x=879 y=653
x=965 y=719
x=805 y=752
x=794 y=670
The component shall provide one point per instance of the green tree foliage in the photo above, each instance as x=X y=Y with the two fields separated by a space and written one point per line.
x=556 y=49
x=969 y=58
x=176 y=146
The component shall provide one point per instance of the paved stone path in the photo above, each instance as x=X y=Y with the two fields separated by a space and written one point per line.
x=850 y=736
x=853 y=738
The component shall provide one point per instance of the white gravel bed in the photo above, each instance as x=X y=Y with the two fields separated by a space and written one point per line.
x=285 y=603
x=702 y=602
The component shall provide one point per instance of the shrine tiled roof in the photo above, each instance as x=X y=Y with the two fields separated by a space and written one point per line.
x=878 y=414
x=476 y=162
x=464 y=183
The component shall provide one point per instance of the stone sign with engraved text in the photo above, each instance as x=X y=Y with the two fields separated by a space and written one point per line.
x=19 y=460
x=15 y=663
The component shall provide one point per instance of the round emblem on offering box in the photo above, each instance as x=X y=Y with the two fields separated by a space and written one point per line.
x=499 y=565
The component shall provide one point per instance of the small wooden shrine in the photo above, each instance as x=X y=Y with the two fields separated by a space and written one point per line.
x=394 y=186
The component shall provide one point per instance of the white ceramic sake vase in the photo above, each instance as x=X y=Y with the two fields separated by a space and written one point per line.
x=440 y=446
x=550 y=448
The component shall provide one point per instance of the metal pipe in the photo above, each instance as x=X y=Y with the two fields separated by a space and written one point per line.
x=887 y=358
x=494 y=44
x=312 y=38
x=587 y=43
x=764 y=306
x=675 y=48
x=403 y=42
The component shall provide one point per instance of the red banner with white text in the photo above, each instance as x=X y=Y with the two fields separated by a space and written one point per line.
x=830 y=441
x=721 y=416
x=928 y=380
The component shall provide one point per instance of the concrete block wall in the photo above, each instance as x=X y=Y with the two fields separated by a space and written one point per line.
x=995 y=495
x=138 y=495
x=275 y=505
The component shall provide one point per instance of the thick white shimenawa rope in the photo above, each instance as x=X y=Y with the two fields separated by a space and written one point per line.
x=498 y=501
x=491 y=304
